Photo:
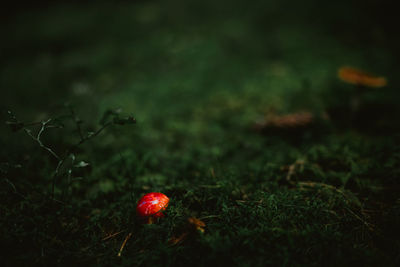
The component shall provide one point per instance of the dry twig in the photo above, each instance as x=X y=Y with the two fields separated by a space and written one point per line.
x=123 y=244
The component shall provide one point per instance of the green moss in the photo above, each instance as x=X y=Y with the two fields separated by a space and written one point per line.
x=197 y=75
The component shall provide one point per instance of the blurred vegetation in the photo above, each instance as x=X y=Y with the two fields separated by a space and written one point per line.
x=198 y=76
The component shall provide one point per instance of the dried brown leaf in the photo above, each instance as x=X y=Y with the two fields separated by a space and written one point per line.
x=289 y=121
x=197 y=224
x=359 y=77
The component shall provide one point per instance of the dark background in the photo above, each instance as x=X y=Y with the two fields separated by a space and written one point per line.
x=203 y=80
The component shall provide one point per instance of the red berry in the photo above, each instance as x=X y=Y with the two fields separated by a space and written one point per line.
x=152 y=205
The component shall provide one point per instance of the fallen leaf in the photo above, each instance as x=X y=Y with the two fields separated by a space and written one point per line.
x=359 y=77
x=197 y=224
x=289 y=121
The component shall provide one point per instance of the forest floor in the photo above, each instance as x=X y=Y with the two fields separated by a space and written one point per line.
x=241 y=120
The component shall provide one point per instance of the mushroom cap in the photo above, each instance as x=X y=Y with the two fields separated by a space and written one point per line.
x=152 y=204
x=359 y=77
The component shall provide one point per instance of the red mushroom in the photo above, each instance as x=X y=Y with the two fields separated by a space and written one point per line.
x=151 y=206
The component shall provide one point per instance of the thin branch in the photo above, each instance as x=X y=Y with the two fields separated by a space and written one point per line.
x=123 y=244
x=68 y=152
x=61 y=159
x=90 y=136
x=11 y=184
x=55 y=175
x=367 y=224
x=37 y=138
x=209 y=216
x=14 y=188
x=112 y=235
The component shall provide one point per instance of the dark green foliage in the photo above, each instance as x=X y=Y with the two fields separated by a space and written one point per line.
x=197 y=75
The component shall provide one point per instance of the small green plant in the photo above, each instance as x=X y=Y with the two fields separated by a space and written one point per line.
x=62 y=169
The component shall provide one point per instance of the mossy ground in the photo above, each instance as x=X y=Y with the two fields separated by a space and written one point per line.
x=197 y=75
